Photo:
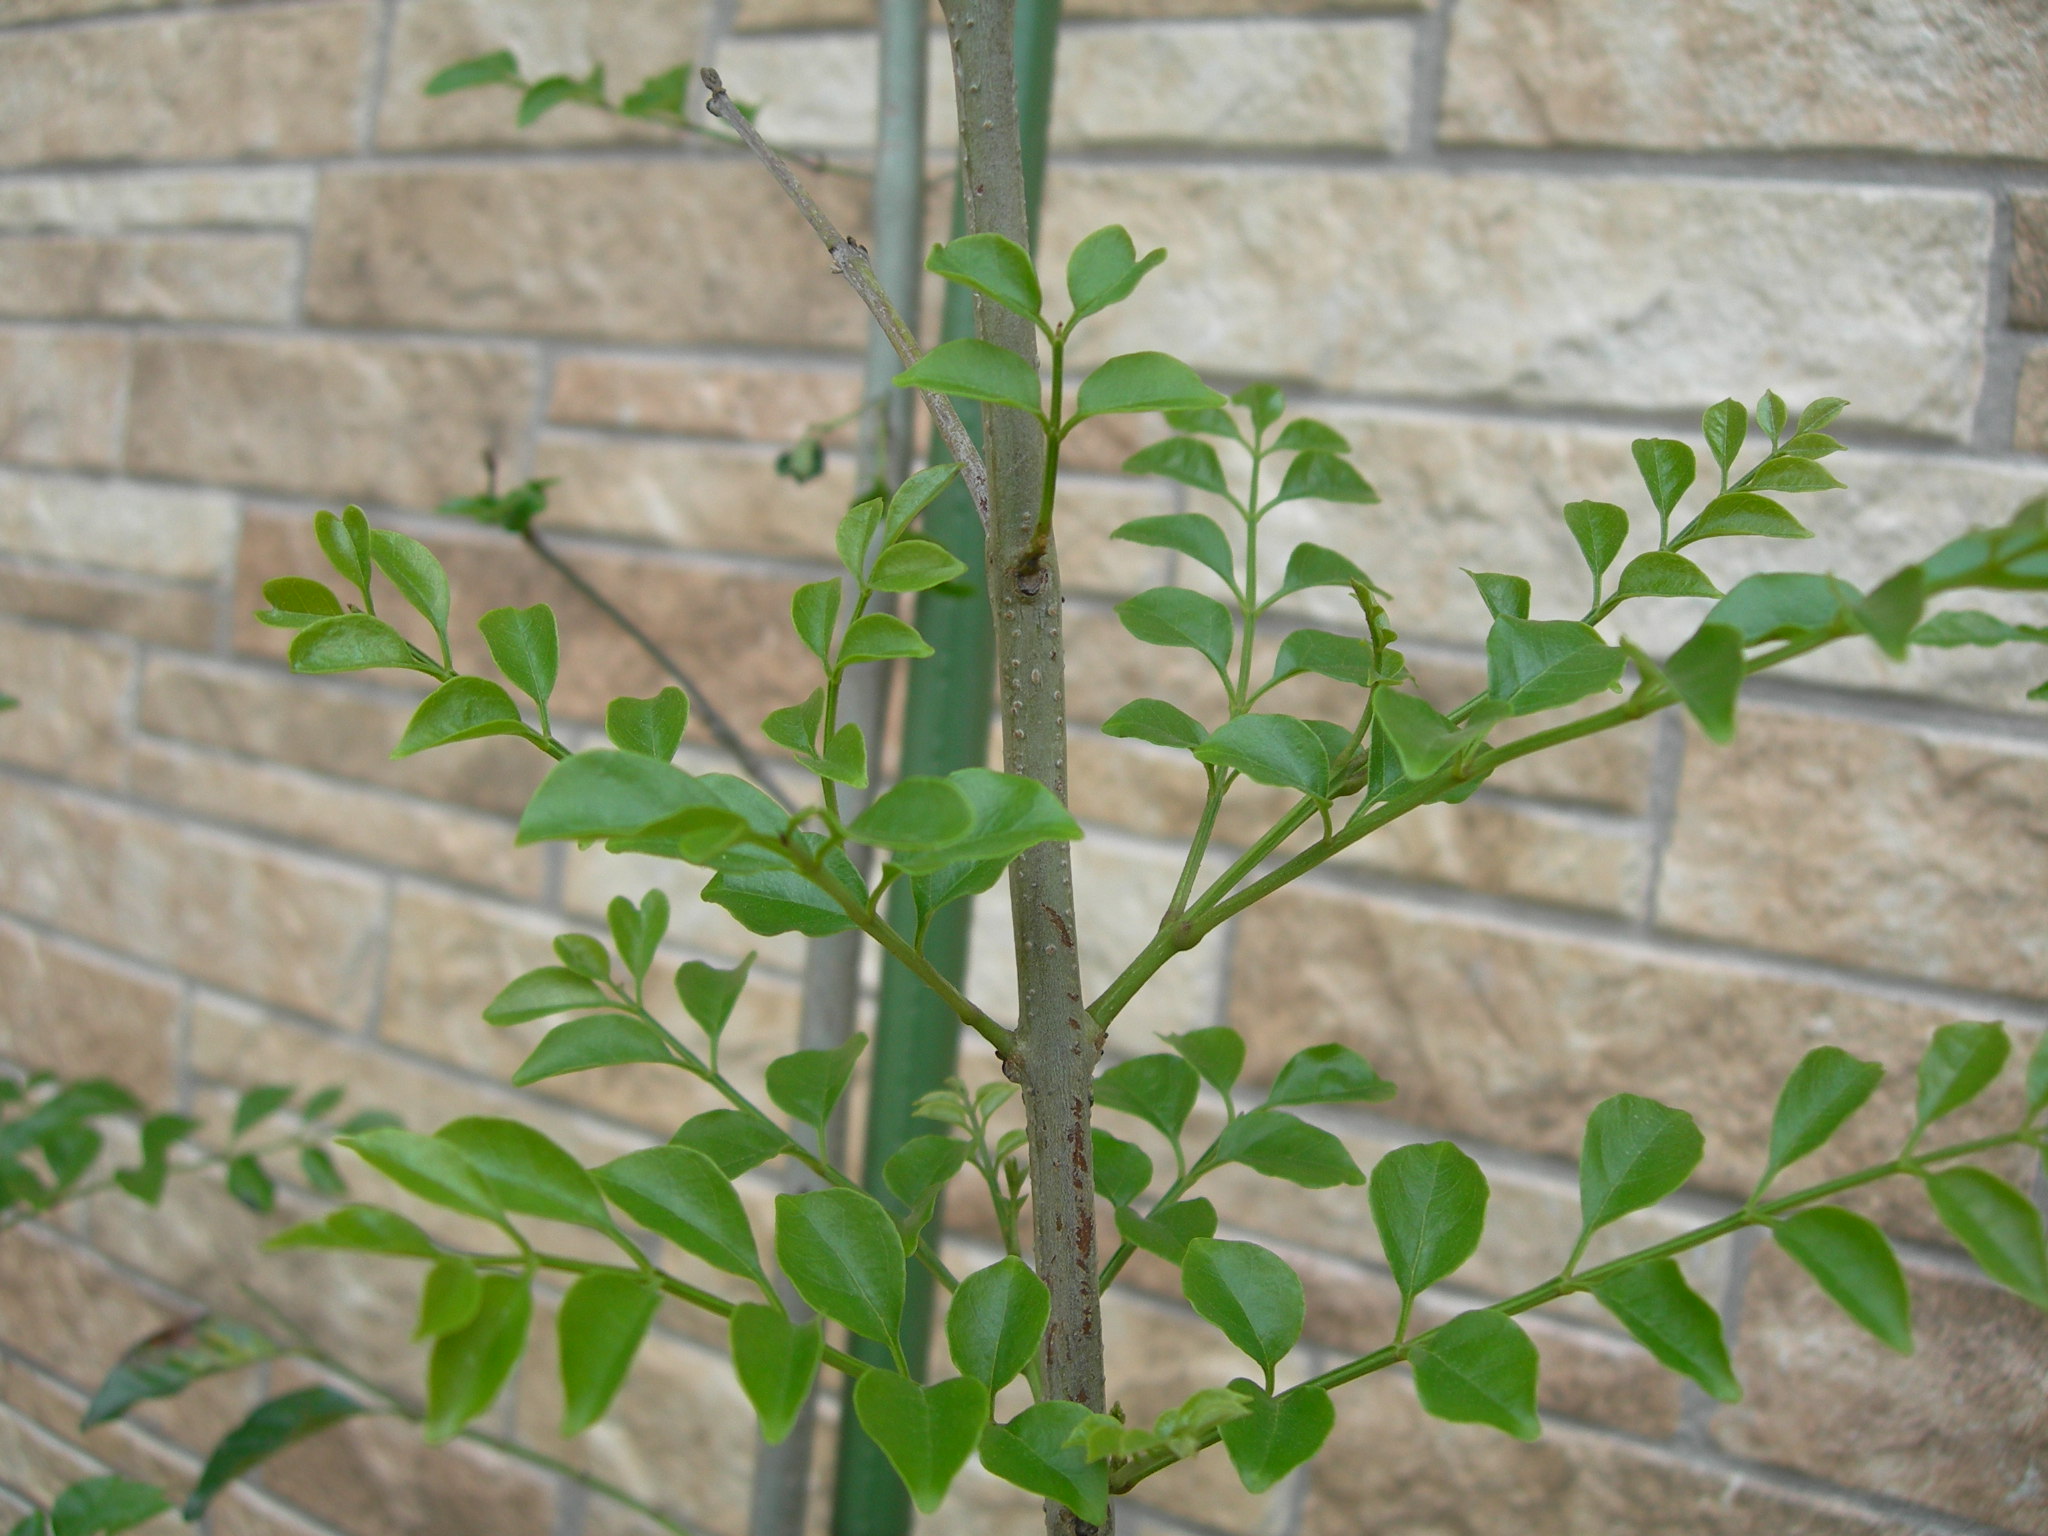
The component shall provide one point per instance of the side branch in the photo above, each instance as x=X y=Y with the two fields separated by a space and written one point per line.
x=851 y=261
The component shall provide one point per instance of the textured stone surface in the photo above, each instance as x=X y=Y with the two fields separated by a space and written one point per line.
x=82 y=1015
x=705 y=398
x=1922 y=76
x=74 y=693
x=2030 y=424
x=147 y=529
x=614 y=250
x=148 y=610
x=2030 y=261
x=1960 y=1426
x=231 y=83
x=1875 y=847
x=69 y=1310
x=60 y=396
x=249 y=278
x=1613 y=292
x=107 y=203
x=391 y=421
x=776 y=15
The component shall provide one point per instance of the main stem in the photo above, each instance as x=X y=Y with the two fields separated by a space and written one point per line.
x=1057 y=1042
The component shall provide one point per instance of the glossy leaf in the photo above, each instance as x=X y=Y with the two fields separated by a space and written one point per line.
x=1502 y=594
x=1636 y=1151
x=1186 y=459
x=1790 y=472
x=1123 y=1170
x=1174 y=616
x=277 y=1424
x=1660 y=573
x=430 y=1167
x=840 y=1250
x=1318 y=476
x=1707 y=675
x=1033 y=1452
x=1819 y=413
x=1429 y=1204
x=1159 y=1089
x=598 y=1331
x=526 y=1171
x=1534 y=665
x=1328 y=1074
x=1249 y=1293
x=525 y=647
x=651 y=727
x=169 y=1361
x=411 y=567
x=1999 y=1226
x=469 y=1367
x=1270 y=749
x=807 y=1085
x=1667 y=468
x=776 y=1361
x=637 y=930
x=1782 y=605
x=1599 y=528
x=1217 y=1053
x=709 y=993
x=1011 y=814
x=604 y=793
x=1852 y=1260
x=1158 y=722
x=1958 y=1065
x=597 y=1040
x=1104 y=268
x=1142 y=381
x=1479 y=1368
x=995 y=1322
x=914 y=565
x=733 y=1139
x=913 y=496
x=584 y=955
x=1168 y=1230
x=1725 y=425
x=1283 y=1146
x=1191 y=533
x=1343 y=657
x=813 y=611
x=1313 y=565
x=296 y=601
x=1825 y=1089
x=1674 y=1323
x=1278 y=1435
x=355 y=642
x=972 y=369
x=880 y=637
x=1741 y=513
x=345 y=540
x=914 y=813
x=926 y=1432
x=461 y=709
x=776 y=901
x=994 y=266
x=548 y=990
x=1420 y=738
x=679 y=1193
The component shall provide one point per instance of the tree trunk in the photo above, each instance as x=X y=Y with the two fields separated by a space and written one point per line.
x=1057 y=1044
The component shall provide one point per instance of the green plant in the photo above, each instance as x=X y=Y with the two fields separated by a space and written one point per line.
x=944 y=838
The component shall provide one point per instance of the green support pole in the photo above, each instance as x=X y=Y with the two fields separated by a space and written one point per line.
x=945 y=726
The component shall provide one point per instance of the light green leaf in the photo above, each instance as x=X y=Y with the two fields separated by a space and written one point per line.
x=1534 y=665
x=1263 y=401
x=470 y=1366
x=1660 y=573
x=1667 y=469
x=1429 y=1204
x=538 y=993
x=1502 y=594
x=1328 y=1074
x=1636 y=1151
x=1674 y=1323
x=1249 y=1293
x=995 y=1322
x=914 y=565
x=1168 y=1230
x=1783 y=605
x=429 y=1167
x=914 y=813
x=1186 y=459
x=526 y=1171
x=1312 y=565
x=100 y=1505
x=1156 y=721
x=731 y=1138
x=411 y=567
x=1103 y=270
x=1819 y=413
x=923 y=1166
x=281 y=1422
x=1740 y=513
x=1825 y=1089
x=1284 y=1146
x=1191 y=533
x=971 y=369
x=345 y=540
x=525 y=647
x=807 y=1085
x=679 y=1193
x=1142 y=381
x=361 y=1228
x=1270 y=749
x=598 y=1040
x=776 y=1361
x=813 y=611
x=1999 y=1226
x=1599 y=528
x=994 y=266
x=637 y=931
x=1852 y=1260
x=880 y=637
x=1174 y=616
x=1479 y=1368
x=1305 y=432
x=461 y=709
x=1159 y=1089
x=926 y=1432
x=1968 y=626
x=1725 y=425
x=1217 y=1053
x=840 y=1250
x=1032 y=1452
x=709 y=994
x=659 y=95
x=1011 y=813
x=604 y=793
x=296 y=601
x=449 y=1297
x=1707 y=673
x=1278 y=1435
x=913 y=496
x=584 y=955
x=1123 y=1170
x=166 y=1363
x=499 y=68
x=1318 y=476
x=1343 y=657
x=1421 y=738
x=1790 y=472
x=355 y=642
x=1958 y=1065
x=599 y=1329
x=651 y=727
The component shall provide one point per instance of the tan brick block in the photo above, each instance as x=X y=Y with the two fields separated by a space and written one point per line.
x=153 y=277
x=60 y=396
x=1134 y=786
x=242 y=1511
x=1420 y=1474
x=2029 y=302
x=1510 y=849
x=1617 y=292
x=70 y=1311
x=195 y=1419
x=41 y=1461
x=1091 y=509
x=391 y=421
x=148 y=530
x=819 y=88
x=81 y=1015
x=105 y=204
x=1932 y=77
x=2030 y=425
x=278 y=925
x=225 y=85
x=74 y=692
x=613 y=249
x=634 y=39
x=1873 y=846
x=169 y=615
x=779 y=15
x=445 y=841
x=1958 y=1426
x=702 y=398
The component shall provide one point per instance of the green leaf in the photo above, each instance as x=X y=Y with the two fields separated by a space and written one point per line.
x=1667 y=469
x=971 y=369
x=1790 y=472
x=538 y=993
x=637 y=931
x=1217 y=1053
x=99 y=1505
x=449 y=1297
x=1600 y=528
x=1159 y=1089
x=913 y=496
x=1892 y=611
x=1103 y=270
x=1422 y=739
x=1168 y=1230
x=166 y=1363
x=1312 y=565
x=1479 y=1368
x=776 y=1361
x=709 y=994
x=914 y=565
x=994 y=266
x=1741 y=513
x=259 y=1104
x=1186 y=459
x=1123 y=1170
x=1011 y=814
x=598 y=1040
x=584 y=955
x=1429 y=1204
x=2037 y=1078
x=731 y=1138
x=524 y=646
x=321 y=1176
x=1264 y=402
x=526 y=1171
x=856 y=534
x=651 y=727
x=1249 y=1293
x=1191 y=533
x=923 y=1166
x=1636 y=1151
x=498 y=68
x=411 y=567
x=1343 y=657
x=1851 y=1260
x=1534 y=665
x=360 y=1228
x=813 y=611
x=1707 y=673
x=1782 y=605
x=926 y=1432
x=1142 y=381
x=914 y=813
x=1818 y=414
x=429 y=1167
x=1216 y=423
x=1283 y=1146
x=602 y=1321
x=295 y=601
x=1032 y=1452
x=1959 y=1064
x=281 y=1422
x=543 y=96
x=659 y=95
x=469 y=1367
x=1660 y=573
x=1156 y=721
x=345 y=540
x=995 y=1322
x=1270 y=749
x=1968 y=626
x=880 y=637
x=1305 y=432
x=1319 y=476
x=840 y=1250
x=679 y=1193
x=1174 y=616
x=806 y=1085
x=1999 y=1226
x=1813 y=445
x=1502 y=594
x=461 y=709
x=1674 y=1323
x=782 y=901
x=1328 y=1074
x=1278 y=1435
x=355 y=642
x=1187 y=1428
x=1725 y=425
x=1825 y=1089
x=604 y=793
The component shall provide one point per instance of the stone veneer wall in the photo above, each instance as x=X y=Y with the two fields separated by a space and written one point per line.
x=245 y=270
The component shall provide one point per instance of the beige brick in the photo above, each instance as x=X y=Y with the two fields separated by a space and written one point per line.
x=608 y=249
x=1615 y=292
x=60 y=396
x=121 y=525
x=391 y=421
x=634 y=39
x=230 y=84
x=242 y=1511
x=329 y=727
x=1927 y=77
x=69 y=1311
x=74 y=692
x=170 y=615
x=150 y=277
x=2029 y=303
x=81 y=1015
x=41 y=1459
x=2030 y=426
x=259 y=920
x=440 y=840
x=818 y=88
x=107 y=204
x=702 y=398
x=1878 y=847
x=197 y=1418
x=778 y=15
x=1958 y=1426
x=1515 y=850
x=1419 y=1474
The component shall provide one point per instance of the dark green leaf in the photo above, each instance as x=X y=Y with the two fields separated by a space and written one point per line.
x=779 y=901
x=1534 y=665
x=1825 y=1089
x=526 y=1171
x=524 y=646
x=1156 y=721
x=681 y=1194
x=469 y=1367
x=1142 y=381
x=1479 y=1368
x=1192 y=533
x=538 y=993
x=1706 y=673
x=248 y=1183
x=923 y=1166
x=1103 y=270
x=1671 y=1320
x=1429 y=1204
x=926 y=1432
x=1159 y=1089
x=321 y=1176
x=709 y=994
x=1270 y=749
x=166 y=1363
x=1741 y=513
x=1999 y=1226
x=806 y=1085
x=1892 y=611
x=1217 y=1053
x=972 y=369
x=354 y=642
x=652 y=727
x=1959 y=1064
x=1343 y=657
x=840 y=1250
x=1032 y=1452
x=159 y=1134
x=776 y=1361
x=914 y=565
x=2037 y=1077
x=1283 y=1146
x=1249 y=1293
x=731 y=1138
x=1667 y=468
x=1312 y=565
x=1636 y=1151
x=281 y=1422
x=1264 y=402
x=461 y=709
x=995 y=1321
x=1168 y=1230
x=1660 y=573
x=1319 y=476
x=1328 y=1074
x=598 y=1040
x=880 y=637
x=1502 y=594
x=602 y=1321
x=1725 y=425
x=1174 y=616
x=100 y=1505
x=543 y=96
x=1789 y=472
x=259 y=1104
x=1421 y=739
x=1186 y=459
x=1278 y=1435
x=411 y=567
x=361 y=1228
x=498 y=68
x=1853 y=1262
x=659 y=95
x=994 y=266
x=914 y=813
x=449 y=1297
x=1122 y=1169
